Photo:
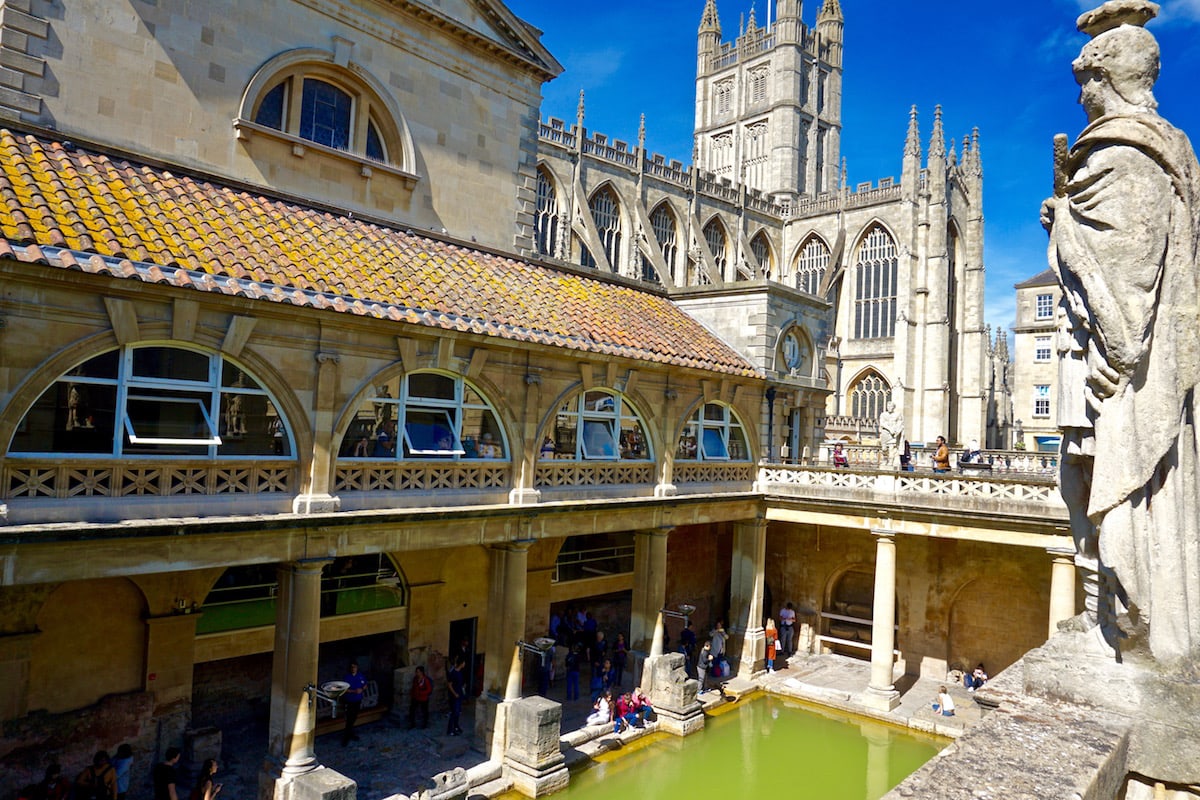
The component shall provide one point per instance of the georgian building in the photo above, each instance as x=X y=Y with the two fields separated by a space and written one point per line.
x=279 y=390
x=1035 y=351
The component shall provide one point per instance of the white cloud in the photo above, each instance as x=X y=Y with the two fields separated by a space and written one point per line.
x=1185 y=12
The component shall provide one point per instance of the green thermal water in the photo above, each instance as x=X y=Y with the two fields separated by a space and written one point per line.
x=770 y=747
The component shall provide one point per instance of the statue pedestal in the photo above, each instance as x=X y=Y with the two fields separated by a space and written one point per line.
x=672 y=694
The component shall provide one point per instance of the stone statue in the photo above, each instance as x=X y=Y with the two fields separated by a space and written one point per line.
x=891 y=436
x=1124 y=226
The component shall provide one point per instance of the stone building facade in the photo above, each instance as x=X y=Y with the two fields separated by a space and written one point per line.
x=277 y=392
x=1035 y=364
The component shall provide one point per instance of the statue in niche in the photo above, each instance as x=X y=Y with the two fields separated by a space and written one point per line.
x=891 y=436
x=1124 y=226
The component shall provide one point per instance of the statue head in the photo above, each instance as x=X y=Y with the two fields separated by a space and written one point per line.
x=891 y=406
x=1117 y=69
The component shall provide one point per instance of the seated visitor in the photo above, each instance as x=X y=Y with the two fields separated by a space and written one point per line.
x=839 y=456
x=601 y=710
x=944 y=703
x=977 y=678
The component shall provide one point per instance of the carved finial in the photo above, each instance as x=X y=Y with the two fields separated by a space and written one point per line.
x=579 y=111
x=709 y=21
x=937 y=140
x=752 y=25
x=976 y=161
x=912 y=143
x=844 y=173
x=952 y=153
x=642 y=133
x=830 y=10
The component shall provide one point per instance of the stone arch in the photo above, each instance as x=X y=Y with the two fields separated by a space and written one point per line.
x=612 y=239
x=807 y=352
x=874 y=278
x=764 y=252
x=549 y=216
x=647 y=422
x=92 y=643
x=867 y=393
x=984 y=625
x=674 y=249
x=847 y=609
x=395 y=131
x=816 y=253
x=726 y=266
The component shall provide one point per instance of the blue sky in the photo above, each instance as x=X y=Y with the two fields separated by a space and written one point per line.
x=1002 y=67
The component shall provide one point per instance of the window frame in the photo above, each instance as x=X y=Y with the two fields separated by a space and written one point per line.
x=612 y=420
x=700 y=425
x=1041 y=400
x=128 y=386
x=1042 y=349
x=1043 y=310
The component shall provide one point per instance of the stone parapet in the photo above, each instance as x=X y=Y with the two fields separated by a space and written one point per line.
x=533 y=758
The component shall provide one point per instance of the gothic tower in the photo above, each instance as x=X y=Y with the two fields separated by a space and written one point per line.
x=769 y=103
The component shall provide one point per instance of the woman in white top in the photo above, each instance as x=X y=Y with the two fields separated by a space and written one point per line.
x=944 y=702
x=602 y=715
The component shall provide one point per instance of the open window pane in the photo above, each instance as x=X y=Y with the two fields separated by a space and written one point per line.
x=713 y=445
x=599 y=441
x=168 y=424
x=739 y=450
x=430 y=433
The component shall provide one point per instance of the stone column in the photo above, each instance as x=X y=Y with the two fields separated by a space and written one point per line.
x=649 y=584
x=16 y=650
x=1062 y=586
x=505 y=626
x=881 y=694
x=317 y=498
x=297 y=637
x=746 y=590
x=170 y=657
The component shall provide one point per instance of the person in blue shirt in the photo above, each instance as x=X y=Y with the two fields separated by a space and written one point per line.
x=352 y=698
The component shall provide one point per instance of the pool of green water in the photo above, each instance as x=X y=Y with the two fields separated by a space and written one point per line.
x=768 y=747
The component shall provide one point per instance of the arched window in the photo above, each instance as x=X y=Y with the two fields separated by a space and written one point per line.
x=713 y=433
x=545 y=221
x=598 y=425
x=425 y=415
x=811 y=263
x=714 y=236
x=756 y=156
x=154 y=400
x=869 y=395
x=606 y=213
x=326 y=105
x=760 y=246
x=244 y=596
x=662 y=221
x=875 y=268
x=796 y=353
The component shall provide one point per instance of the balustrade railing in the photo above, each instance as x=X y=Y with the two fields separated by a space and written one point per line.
x=709 y=472
x=422 y=476
x=606 y=473
x=27 y=478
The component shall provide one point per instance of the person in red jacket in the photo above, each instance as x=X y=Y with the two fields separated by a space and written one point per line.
x=422 y=690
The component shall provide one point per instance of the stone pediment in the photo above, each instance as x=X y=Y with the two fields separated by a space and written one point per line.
x=489 y=20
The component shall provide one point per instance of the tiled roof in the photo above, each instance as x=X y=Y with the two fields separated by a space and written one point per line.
x=82 y=210
x=1044 y=278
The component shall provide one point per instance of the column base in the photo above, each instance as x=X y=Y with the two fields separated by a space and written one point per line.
x=680 y=722
x=665 y=490
x=321 y=783
x=753 y=655
x=534 y=782
x=885 y=700
x=316 y=504
x=524 y=497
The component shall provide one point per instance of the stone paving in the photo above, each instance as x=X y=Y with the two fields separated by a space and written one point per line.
x=389 y=760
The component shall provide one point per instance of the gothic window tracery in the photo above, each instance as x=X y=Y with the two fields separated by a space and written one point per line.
x=545 y=221
x=605 y=210
x=714 y=236
x=662 y=222
x=723 y=97
x=875 y=273
x=758 y=84
x=722 y=155
x=811 y=263
x=869 y=396
x=760 y=246
x=756 y=161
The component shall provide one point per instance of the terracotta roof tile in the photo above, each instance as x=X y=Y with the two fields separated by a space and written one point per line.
x=148 y=224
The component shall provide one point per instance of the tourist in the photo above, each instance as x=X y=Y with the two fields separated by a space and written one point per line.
x=599 y=646
x=456 y=687
x=717 y=639
x=54 y=786
x=572 y=666
x=98 y=781
x=771 y=634
x=944 y=703
x=839 y=456
x=977 y=678
x=704 y=666
x=787 y=629
x=620 y=656
x=353 y=698
x=418 y=706
x=941 y=456
x=641 y=705
x=165 y=775
x=624 y=715
x=906 y=464
x=206 y=788
x=122 y=764
x=601 y=710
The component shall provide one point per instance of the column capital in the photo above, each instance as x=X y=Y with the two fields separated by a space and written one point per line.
x=883 y=533
x=666 y=530
x=515 y=546
x=307 y=564
x=1061 y=551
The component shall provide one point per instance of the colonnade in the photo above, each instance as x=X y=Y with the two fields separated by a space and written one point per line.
x=297 y=630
